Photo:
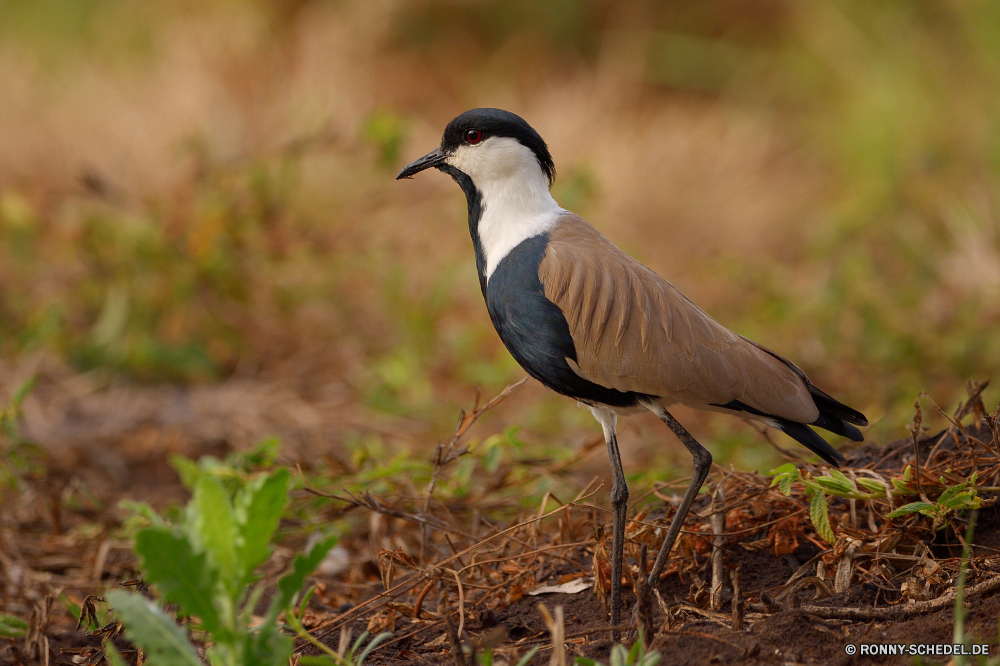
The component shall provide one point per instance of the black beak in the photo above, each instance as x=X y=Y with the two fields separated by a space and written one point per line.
x=432 y=159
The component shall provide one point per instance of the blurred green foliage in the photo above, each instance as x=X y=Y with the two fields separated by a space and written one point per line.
x=896 y=283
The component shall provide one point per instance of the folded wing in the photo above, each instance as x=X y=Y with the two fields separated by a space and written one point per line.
x=634 y=331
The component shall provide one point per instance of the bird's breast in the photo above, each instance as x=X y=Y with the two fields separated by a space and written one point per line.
x=535 y=330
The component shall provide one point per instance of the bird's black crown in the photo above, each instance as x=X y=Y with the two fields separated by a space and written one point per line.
x=497 y=122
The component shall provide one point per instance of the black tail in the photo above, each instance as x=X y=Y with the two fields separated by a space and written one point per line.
x=833 y=416
x=808 y=438
x=836 y=411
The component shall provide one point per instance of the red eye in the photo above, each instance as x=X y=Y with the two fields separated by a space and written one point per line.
x=473 y=137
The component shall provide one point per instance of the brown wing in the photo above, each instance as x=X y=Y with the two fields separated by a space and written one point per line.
x=634 y=331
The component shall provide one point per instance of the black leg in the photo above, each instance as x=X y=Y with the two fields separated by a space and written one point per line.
x=619 y=505
x=702 y=465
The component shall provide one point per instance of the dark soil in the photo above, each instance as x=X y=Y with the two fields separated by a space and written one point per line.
x=46 y=553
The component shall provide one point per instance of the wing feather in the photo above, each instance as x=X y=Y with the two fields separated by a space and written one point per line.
x=634 y=331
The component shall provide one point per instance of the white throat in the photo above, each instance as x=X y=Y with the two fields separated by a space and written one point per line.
x=517 y=204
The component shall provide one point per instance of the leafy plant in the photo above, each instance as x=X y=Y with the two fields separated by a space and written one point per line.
x=234 y=470
x=206 y=566
x=953 y=499
x=353 y=655
x=959 y=497
x=817 y=488
x=637 y=656
x=835 y=484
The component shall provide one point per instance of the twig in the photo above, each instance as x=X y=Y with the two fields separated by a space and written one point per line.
x=456 y=645
x=736 y=576
x=445 y=454
x=531 y=552
x=334 y=623
x=461 y=604
x=643 y=613
x=420 y=599
x=370 y=502
x=891 y=613
x=557 y=628
x=718 y=521
x=915 y=433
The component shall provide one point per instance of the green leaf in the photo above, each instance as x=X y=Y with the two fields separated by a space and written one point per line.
x=835 y=485
x=23 y=390
x=156 y=632
x=839 y=476
x=526 y=659
x=785 y=484
x=821 y=518
x=183 y=576
x=12 y=626
x=291 y=583
x=267 y=647
x=211 y=515
x=901 y=486
x=187 y=469
x=912 y=507
x=72 y=608
x=263 y=454
x=636 y=652
x=787 y=468
x=142 y=510
x=951 y=492
x=372 y=644
x=784 y=476
x=872 y=486
x=961 y=501
x=258 y=511
x=112 y=656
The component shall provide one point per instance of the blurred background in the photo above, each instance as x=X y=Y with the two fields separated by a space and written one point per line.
x=200 y=233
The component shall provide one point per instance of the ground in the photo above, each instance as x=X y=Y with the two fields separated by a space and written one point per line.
x=883 y=581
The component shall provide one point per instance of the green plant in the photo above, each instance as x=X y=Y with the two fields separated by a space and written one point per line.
x=959 y=636
x=817 y=488
x=955 y=498
x=206 y=566
x=347 y=655
x=12 y=626
x=234 y=470
x=637 y=656
x=959 y=497
x=19 y=456
x=485 y=658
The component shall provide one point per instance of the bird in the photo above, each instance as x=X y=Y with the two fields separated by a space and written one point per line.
x=590 y=322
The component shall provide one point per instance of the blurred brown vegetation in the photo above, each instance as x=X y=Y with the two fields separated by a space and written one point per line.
x=196 y=192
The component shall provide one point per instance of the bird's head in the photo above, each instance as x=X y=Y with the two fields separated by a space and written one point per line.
x=492 y=147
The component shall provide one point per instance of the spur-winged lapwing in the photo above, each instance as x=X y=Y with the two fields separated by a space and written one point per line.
x=590 y=322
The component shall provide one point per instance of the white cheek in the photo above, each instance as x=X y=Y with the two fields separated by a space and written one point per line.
x=495 y=159
x=462 y=159
x=515 y=194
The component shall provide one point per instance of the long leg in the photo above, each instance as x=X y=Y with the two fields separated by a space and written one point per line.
x=619 y=504
x=702 y=464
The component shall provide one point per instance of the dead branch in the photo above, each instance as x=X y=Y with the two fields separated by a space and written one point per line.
x=890 y=613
